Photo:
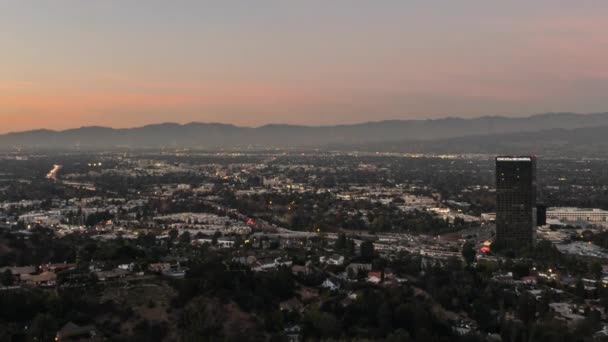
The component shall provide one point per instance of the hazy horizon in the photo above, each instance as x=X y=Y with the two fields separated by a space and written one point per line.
x=295 y=124
x=68 y=64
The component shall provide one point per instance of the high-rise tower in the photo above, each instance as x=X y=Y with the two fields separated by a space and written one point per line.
x=515 y=201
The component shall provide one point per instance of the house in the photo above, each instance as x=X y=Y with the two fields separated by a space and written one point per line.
x=307 y=294
x=159 y=267
x=57 y=267
x=506 y=278
x=74 y=332
x=602 y=334
x=19 y=272
x=529 y=280
x=269 y=265
x=249 y=260
x=463 y=327
x=354 y=268
x=374 y=277
x=111 y=275
x=330 y=285
x=537 y=293
x=300 y=270
x=127 y=267
x=175 y=271
x=335 y=259
x=293 y=333
x=566 y=312
x=42 y=279
x=291 y=305
x=349 y=300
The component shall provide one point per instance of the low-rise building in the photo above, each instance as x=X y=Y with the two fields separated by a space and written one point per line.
x=568 y=214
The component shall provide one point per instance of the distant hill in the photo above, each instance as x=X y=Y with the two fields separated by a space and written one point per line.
x=586 y=141
x=390 y=134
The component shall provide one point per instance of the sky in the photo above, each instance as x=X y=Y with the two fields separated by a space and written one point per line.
x=72 y=63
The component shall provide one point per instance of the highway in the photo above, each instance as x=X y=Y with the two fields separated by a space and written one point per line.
x=52 y=175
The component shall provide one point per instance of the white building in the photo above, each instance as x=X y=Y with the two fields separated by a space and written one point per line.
x=577 y=214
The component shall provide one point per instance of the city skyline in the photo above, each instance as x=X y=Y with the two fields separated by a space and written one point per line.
x=344 y=170
x=124 y=64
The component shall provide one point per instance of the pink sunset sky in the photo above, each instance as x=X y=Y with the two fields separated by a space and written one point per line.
x=67 y=64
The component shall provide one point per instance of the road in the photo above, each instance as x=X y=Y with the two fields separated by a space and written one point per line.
x=52 y=175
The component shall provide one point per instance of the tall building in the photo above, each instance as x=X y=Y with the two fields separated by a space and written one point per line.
x=541 y=215
x=515 y=201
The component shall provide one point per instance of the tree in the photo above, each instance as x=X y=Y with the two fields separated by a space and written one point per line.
x=597 y=270
x=468 y=252
x=149 y=331
x=380 y=223
x=43 y=328
x=483 y=315
x=521 y=269
x=185 y=238
x=6 y=278
x=341 y=242
x=350 y=247
x=526 y=308
x=319 y=325
x=238 y=241
x=97 y=217
x=384 y=317
x=399 y=335
x=345 y=245
x=367 y=250
x=587 y=326
x=580 y=289
x=273 y=321
x=216 y=236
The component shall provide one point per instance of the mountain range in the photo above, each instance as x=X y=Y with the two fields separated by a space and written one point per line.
x=490 y=134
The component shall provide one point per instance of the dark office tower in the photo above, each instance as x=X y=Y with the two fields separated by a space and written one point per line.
x=515 y=201
x=541 y=215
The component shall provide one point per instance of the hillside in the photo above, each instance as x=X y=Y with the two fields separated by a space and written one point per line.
x=427 y=133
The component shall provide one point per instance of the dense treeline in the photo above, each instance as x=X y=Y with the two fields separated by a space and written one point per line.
x=308 y=211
